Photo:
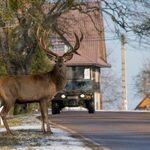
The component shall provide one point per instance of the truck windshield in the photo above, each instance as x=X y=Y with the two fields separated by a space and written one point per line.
x=79 y=85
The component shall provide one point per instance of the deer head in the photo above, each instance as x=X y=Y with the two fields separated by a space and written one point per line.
x=59 y=60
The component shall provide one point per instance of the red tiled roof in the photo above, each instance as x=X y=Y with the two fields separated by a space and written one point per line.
x=92 y=48
x=89 y=55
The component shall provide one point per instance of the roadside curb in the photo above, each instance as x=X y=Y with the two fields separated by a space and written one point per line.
x=88 y=142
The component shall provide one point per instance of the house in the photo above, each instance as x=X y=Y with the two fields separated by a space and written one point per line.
x=144 y=104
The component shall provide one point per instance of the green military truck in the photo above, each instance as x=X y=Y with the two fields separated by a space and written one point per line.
x=79 y=90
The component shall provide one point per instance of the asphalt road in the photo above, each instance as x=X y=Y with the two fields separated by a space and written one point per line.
x=115 y=130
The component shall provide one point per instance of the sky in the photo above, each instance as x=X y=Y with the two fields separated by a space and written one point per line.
x=135 y=57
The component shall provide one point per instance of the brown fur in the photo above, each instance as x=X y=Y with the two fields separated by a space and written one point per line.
x=31 y=88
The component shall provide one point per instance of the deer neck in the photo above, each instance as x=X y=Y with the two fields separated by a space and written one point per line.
x=59 y=76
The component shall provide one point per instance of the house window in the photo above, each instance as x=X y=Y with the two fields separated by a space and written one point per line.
x=78 y=73
x=58 y=45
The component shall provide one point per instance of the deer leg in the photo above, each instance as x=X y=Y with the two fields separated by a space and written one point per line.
x=1 y=121
x=3 y=114
x=44 y=114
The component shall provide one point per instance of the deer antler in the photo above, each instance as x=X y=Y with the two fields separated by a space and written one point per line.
x=76 y=46
x=72 y=49
x=70 y=52
x=42 y=43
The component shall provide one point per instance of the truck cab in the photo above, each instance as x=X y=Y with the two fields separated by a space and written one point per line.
x=79 y=90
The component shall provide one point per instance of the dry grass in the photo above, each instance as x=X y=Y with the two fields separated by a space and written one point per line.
x=22 y=137
x=13 y=122
x=29 y=137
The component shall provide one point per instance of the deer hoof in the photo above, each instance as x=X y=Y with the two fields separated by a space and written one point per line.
x=10 y=133
x=48 y=132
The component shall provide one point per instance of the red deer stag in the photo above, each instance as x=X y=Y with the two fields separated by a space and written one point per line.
x=39 y=87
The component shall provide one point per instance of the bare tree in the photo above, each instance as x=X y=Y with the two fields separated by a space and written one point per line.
x=142 y=81
x=111 y=90
x=19 y=21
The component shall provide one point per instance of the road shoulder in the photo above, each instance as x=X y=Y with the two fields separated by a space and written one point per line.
x=88 y=143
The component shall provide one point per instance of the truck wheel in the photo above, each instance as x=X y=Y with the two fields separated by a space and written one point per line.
x=55 y=108
x=91 y=107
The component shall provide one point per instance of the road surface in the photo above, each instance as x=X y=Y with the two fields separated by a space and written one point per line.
x=115 y=130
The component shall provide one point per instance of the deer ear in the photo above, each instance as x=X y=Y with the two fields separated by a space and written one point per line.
x=68 y=57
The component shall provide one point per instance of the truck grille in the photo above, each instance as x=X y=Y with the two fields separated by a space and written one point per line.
x=72 y=97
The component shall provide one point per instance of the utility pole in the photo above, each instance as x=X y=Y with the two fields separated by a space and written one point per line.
x=124 y=84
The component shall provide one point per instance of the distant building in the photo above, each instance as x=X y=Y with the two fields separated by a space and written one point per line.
x=144 y=104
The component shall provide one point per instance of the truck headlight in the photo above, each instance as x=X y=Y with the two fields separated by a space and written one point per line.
x=63 y=96
x=82 y=95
